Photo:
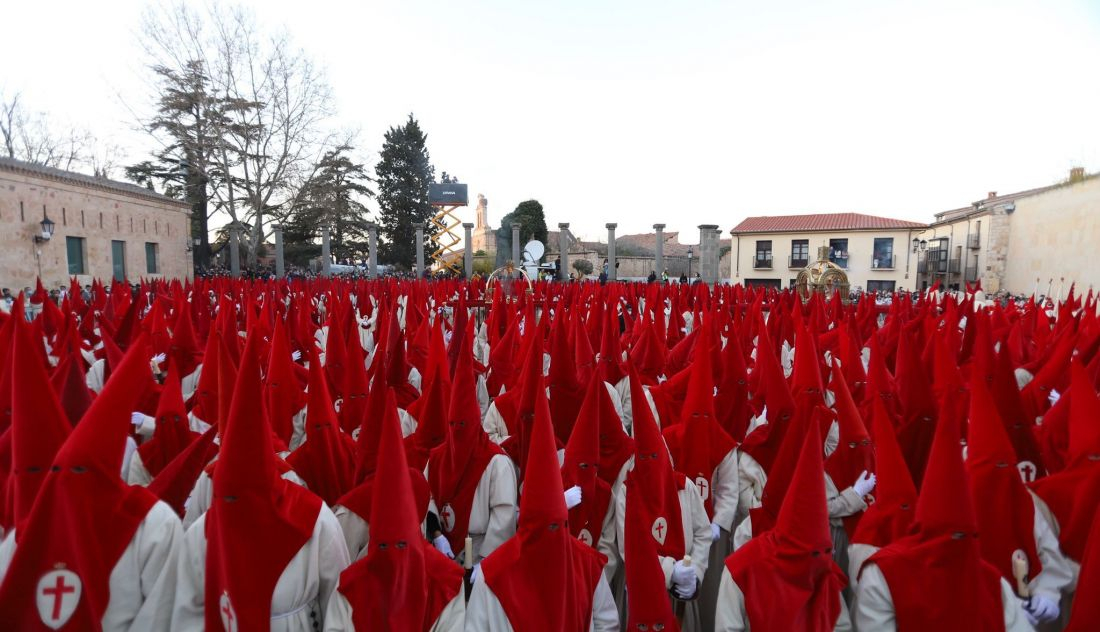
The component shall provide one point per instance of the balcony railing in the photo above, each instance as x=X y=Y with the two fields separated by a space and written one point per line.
x=922 y=267
x=974 y=241
x=762 y=262
x=882 y=262
x=840 y=259
x=798 y=261
x=955 y=266
x=937 y=261
x=972 y=274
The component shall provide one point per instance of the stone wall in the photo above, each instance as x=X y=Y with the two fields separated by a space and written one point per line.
x=96 y=211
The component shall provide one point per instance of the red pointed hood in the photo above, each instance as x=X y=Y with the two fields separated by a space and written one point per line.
x=257 y=521
x=430 y=410
x=282 y=391
x=653 y=473
x=581 y=467
x=894 y=509
x=566 y=391
x=788 y=575
x=455 y=468
x=82 y=500
x=1004 y=508
x=355 y=389
x=173 y=433
x=854 y=452
x=610 y=367
x=380 y=404
x=649 y=605
x=402 y=584
x=543 y=576
x=39 y=425
x=326 y=461
x=70 y=384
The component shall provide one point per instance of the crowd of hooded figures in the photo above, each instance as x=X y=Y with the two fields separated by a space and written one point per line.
x=350 y=454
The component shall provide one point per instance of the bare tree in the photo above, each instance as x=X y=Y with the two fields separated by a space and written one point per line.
x=271 y=103
x=32 y=137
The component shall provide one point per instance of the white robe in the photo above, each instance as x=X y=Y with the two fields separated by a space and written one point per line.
x=301 y=596
x=494 y=507
x=339 y=615
x=142 y=583
x=485 y=614
x=873 y=609
x=731 y=615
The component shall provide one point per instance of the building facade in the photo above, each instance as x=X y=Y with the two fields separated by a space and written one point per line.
x=101 y=229
x=1020 y=242
x=875 y=252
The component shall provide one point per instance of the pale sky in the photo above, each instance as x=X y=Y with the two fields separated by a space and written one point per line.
x=636 y=112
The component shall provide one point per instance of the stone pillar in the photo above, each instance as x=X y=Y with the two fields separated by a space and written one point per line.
x=517 y=249
x=419 y=252
x=280 y=266
x=563 y=251
x=326 y=251
x=468 y=251
x=235 y=250
x=611 y=273
x=659 y=251
x=708 y=253
x=372 y=244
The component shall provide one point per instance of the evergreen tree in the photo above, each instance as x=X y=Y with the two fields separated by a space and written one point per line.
x=331 y=197
x=190 y=119
x=404 y=172
x=532 y=222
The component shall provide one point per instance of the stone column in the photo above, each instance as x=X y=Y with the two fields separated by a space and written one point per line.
x=419 y=252
x=372 y=243
x=517 y=250
x=659 y=250
x=280 y=266
x=468 y=251
x=326 y=251
x=708 y=253
x=235 y=250
x=611 y=273
x=563 y=250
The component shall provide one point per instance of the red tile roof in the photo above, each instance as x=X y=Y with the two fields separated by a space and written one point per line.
x=820 y=221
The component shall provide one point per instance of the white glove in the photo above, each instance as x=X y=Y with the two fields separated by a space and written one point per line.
x=683 y=580
x=442 y=545
x=475 y=574
x=864 y=484
x=156 y=360
x=1054 y=397
x=138 y=419
x=572 y=497
x=295 y=355
x=715 y=532
x=1041 y=608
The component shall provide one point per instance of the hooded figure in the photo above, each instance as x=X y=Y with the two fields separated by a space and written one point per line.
x=785 y=578
x=935 y=578
x=1006 y=511
x=93 y=553
x=648 y=605
x=268 y=553
x=542 y=579
x=473 y=482
x=402 y=584
x=679 y=524
x=171 y=435
x=591 y=521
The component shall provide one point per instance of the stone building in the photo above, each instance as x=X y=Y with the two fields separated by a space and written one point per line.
x=875 y=252
x=101 y=228
x=1009 y=241
x=483 y=237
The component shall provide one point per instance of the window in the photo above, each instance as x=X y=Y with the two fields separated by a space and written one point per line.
x=118 y=259
x=765 y=283
x=838 y=252
x=74 y=247
x=881 y=286
x=800 y=253
x=883 y=253
x=151 y=266
x=763 y=254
